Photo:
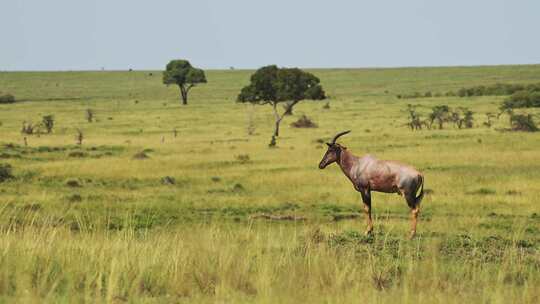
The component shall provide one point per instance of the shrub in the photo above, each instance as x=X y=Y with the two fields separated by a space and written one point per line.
x=523 y=122
x=243 y=158
x=304 y=122
x=462 y=118
x=489 y=119
x=48 y=122
x=415 y=122
x=7 y=98
x=79 y=137
x=141 y=155
x=75 y=198
x=440 y=114
x=497 y=89
x=28 y=128
x=5 y=172
x=522 y=99
x=78 y=154
x=73 y=183
x=89 y=115
x=168 y=180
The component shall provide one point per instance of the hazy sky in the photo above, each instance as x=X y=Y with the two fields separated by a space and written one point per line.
x=145 y=34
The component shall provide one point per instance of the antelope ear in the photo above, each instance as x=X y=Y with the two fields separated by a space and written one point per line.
x=328 y=144
x=343 y=147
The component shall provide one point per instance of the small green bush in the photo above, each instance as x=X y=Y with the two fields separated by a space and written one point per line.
x=5 y=172
x=497 y=89
x=523 y=122
x=522 y=99
x=48 y=122
x=7 y=98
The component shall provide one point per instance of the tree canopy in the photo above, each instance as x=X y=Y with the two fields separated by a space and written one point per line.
x=273 y=85
x=183 y=74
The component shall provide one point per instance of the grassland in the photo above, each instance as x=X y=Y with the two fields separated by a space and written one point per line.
x=123 y=235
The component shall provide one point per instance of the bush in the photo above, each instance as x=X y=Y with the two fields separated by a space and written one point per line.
x=523 y=122
x=168 y=180
x=243 y=158
x=5 y=172
x=48 y=122
x=462 y=117
x=28 y=128
x=522 y=99
x=7 y=98
x=415 y=122
x=440 y=114
x=89 y=115
x=497 y=89
x=73 y=183
x=141 y=155
x=304 y=122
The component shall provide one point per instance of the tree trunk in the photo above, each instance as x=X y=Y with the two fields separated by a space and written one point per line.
x=183 y=95
x=276 y=127
x=289 y=107
x=278 y=119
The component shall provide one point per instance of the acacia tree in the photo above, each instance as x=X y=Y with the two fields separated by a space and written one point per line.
x=181 y=73
x=440 y=114
x=415 y=122
x=272 y=85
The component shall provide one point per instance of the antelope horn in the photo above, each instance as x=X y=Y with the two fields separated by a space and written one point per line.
x=339 y=135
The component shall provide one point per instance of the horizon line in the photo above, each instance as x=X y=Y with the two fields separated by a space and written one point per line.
x=252 y=69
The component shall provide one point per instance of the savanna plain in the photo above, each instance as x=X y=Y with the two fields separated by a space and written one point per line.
x=164 y=203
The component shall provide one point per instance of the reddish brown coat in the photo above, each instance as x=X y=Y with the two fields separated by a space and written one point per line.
x=368 y=174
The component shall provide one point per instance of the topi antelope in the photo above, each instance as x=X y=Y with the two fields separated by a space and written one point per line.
x=370 y=174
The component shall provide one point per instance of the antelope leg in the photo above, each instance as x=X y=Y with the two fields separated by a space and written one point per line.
x=366 y=199
x=414 y=220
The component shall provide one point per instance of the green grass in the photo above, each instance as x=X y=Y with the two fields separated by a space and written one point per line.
x=92 y=223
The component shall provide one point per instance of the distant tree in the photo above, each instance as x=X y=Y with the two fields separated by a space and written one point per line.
x=48 y=122
x=28 y=128
x=7 y=98
x=89 y=115
x=415 y=123
x=439 y=114
x=462 y=117
x=181 y=73
x=468 y=118
x=523 y=122
x=79 y=137
x=489 y=119
x=272 y=85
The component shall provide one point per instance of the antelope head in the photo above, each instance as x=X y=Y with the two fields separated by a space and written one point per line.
x=334 y=151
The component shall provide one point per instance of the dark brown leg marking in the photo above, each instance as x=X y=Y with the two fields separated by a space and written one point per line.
x=366 y=198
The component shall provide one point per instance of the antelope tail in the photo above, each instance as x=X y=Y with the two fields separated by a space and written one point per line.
x=418 y=199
